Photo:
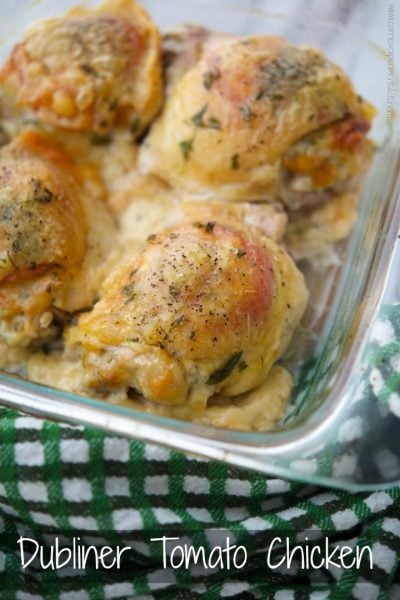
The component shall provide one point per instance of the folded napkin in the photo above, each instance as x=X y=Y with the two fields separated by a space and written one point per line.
x=59 y=482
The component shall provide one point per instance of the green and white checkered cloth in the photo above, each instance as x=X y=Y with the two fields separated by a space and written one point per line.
x=56 y=479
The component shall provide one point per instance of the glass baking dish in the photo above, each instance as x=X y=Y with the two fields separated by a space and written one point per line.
x=333 y=434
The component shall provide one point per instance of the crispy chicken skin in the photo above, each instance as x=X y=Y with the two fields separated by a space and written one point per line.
x=205 y=308
x=241 y=118
x=90 y=69
x=46 y=239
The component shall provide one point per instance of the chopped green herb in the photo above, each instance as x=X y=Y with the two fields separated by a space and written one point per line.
x=88 y=69
x=128 y=290
x=186 y=148
x=192 y=334
x=209 y=78
x=46 y=196
x=247 y=113
x=173 y=291
x=241 y=253
x=178 y=321
x=224 y=372
x=260 y=94
x=197 y=119
x=4 y=137
x=263 y=93
x=211 y=123
x=291 y=70
x=151 y=237
x=135 y=125
x=210 y=226
x=99 y=139
x=41 y=193
x=11 y=261
x=214 y=123
x=235 y=162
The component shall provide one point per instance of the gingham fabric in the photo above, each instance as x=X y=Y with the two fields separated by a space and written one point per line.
x=58 y=480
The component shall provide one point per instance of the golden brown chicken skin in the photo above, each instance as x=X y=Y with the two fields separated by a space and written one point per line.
x=42 y=222
x=236 y=108
x=46 y=241
x=42 y=238
x=205 y=308
x=89 y=70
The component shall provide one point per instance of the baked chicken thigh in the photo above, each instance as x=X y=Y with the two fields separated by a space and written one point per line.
x=89 y=70
x=52 y=249
x=204 y=308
